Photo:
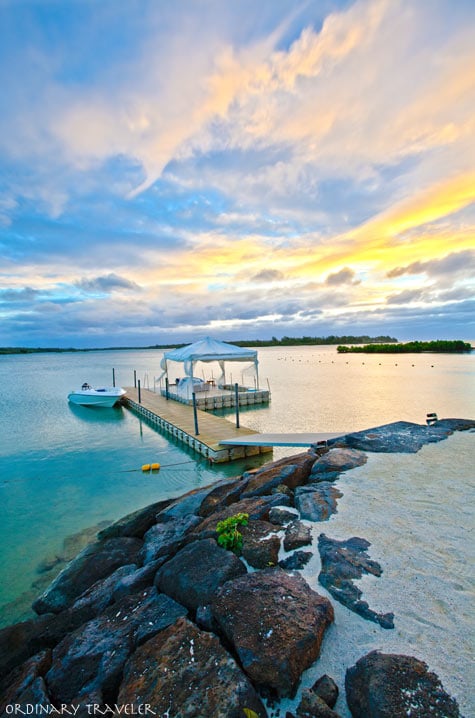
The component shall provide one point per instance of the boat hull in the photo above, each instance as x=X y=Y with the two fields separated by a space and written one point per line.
x=97 y=397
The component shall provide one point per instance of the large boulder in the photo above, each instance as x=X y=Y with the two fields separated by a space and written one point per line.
x=194 y=574
x=275 y=623
x=224 y=494
x=91 y=659
x=95 y=562
x=400 y=436
x=334 y=462
x=260 y=545
x=134 y=524
x=164 y=539
x=183 y=671
x=396 y=686
x=317 y=502
x=189 y=503
x=342 y=563
x=291 y=471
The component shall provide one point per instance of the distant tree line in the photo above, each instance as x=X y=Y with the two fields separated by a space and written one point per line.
x=274 y=342
x=297 y=341
x=440 y=345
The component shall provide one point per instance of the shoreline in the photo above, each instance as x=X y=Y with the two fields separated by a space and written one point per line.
x=289 y=477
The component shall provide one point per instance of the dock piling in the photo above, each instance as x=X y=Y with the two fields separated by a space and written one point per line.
x=140 y=395
x=195 y=415
x=236 y=392
x=113 y=377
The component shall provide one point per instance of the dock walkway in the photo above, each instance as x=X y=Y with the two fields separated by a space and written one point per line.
x=177 y=419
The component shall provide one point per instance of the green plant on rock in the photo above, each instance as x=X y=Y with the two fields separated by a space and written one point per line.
x=228 y=535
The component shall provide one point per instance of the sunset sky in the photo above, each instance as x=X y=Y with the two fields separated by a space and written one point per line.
x=234 y=168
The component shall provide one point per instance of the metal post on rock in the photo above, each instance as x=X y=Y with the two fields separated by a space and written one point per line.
x=195 y=414
x=140 y=395
x=236 y=394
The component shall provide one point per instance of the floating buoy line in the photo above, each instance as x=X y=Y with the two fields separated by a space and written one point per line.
x=152 y=468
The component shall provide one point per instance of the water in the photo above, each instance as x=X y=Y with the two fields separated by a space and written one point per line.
x=65 y=468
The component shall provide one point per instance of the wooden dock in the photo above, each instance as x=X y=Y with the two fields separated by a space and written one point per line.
x=177 y=419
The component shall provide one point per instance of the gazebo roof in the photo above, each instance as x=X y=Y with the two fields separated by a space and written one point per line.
x=209 y=349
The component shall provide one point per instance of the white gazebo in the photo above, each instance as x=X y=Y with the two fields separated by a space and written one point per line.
x=206 y=350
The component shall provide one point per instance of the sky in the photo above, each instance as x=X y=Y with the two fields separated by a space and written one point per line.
x=171 y=170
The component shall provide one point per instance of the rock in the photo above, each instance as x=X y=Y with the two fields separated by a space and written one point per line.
x=260 y=545
x=327 y=689
x=343 y=562
x=99 y=596
x=312 y=706
x=92 y=657
x=134 y=524
x=33 y=696
x=296 y=561
x=297 y=535
x=185 y=505
x=317 y=502
x=276 y=623
x=292 y=471
x=455 y=424
x=400 y=436
x=225 y=494
x=17 y=682
x=138 y=580
x=194 y=574
x=280 y=516
x=395 y=686
x=164 y=539
x=257 y=508
x=183 y=671
x=20 y=641
x=95 y=562
x=334 y=462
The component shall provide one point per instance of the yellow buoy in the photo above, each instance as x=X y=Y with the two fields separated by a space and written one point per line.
x=155 y=467
x=146 y=467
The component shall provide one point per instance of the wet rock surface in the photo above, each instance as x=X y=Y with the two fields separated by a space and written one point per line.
x=93 y=657
x=400 y=436
x=296 y=561
x=335 y=462
x=164 y=539
x=275 y=623
x=195 y=573
x=317 y=502
x=342 y=563
x=260 y=545
x=297 y=535
x=183 y=666
x=396 y=686
x=95 y=562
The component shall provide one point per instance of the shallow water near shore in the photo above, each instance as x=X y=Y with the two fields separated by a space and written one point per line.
x=64 y=469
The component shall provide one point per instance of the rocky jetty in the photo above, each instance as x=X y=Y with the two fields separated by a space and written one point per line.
x=158 y=616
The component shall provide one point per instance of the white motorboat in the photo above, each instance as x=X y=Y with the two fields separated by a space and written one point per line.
x=89 y=396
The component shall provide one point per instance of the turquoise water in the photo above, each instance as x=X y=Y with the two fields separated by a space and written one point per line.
x=65 y=468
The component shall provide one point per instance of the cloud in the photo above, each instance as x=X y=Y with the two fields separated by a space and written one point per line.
x=107 y=283
x=344 y=276
x=27 y=294
x=455 y=263
x=268 y=275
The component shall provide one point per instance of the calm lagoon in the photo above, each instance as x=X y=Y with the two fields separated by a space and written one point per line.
x=65 y=468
